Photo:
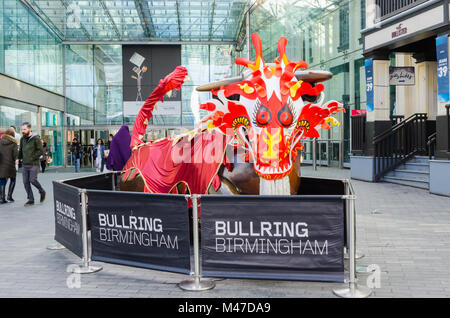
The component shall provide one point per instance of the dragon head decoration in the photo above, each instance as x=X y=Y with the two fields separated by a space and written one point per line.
x=270 y=109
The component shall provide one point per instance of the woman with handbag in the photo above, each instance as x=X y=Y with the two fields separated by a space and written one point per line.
x=99 y=155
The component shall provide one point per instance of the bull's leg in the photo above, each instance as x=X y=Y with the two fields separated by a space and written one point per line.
x=226 y=187
x=136 y=184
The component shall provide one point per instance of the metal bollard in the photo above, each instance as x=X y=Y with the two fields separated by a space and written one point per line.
x=314 y=146
x=196 y=284
x=353 y=290
x=86 y=268
x=349 y=191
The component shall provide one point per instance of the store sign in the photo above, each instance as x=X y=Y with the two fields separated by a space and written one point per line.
x=442 y=68
x=403 y=75
x=427 y=19
x=399 y=30
x=369 y=84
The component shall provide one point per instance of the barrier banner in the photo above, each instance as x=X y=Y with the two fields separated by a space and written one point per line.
x=102 y=181
x=140 y=229
x=68 y=219
x=273 y=237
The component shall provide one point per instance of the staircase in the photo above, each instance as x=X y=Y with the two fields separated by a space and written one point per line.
x=414 y=172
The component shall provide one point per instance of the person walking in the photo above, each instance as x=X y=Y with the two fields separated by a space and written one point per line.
x=30 y=150
x=8 y=157
x=99 y=155
x=75 y=149
x=44 y=156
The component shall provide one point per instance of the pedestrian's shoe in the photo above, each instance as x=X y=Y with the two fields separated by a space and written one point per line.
x=29 y=203
x=42 y=197
x=2 y=194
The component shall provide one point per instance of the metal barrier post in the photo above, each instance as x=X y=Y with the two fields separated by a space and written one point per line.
x=349 y=191
x=86 y=268
x=314 y=144
x=353 y=290
x=196 y=284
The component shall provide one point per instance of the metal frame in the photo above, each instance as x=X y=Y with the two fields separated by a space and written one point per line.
x=353 y=290
x=196 y=283
x=86 y=267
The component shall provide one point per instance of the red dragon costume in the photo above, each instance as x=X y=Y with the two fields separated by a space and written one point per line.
x=264 y=114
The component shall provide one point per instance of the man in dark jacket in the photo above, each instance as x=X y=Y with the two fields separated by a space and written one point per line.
x=29 y=152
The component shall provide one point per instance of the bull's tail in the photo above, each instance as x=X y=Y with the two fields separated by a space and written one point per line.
x=171 y=81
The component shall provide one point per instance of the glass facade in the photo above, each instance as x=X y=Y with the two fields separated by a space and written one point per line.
x=29 y=51
x=93 y=75
x=325 y=34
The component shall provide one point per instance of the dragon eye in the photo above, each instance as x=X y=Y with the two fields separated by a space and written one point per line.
x=263 y=116
x=285 y=116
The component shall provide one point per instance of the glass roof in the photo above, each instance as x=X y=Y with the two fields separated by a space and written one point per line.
x=140 y=20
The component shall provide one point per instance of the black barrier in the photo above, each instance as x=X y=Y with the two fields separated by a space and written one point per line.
x=68 y=218
x=140 y=229
x=104 y=181
x=273 y=237
x=321 y=186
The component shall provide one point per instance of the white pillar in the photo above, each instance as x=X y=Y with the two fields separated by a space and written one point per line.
x=426 y=89
x=405 y=95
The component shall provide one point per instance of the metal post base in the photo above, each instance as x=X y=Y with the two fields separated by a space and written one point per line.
x=358 y=255
x=56 y=246
x=86 y=269
x=353 y=291
x=196 y=285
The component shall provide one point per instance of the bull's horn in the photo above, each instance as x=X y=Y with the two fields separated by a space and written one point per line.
x=313 y=76
x=310 y=76
x=216 y=85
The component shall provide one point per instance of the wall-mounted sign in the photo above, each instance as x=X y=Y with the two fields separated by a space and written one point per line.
x=403 y=75
x=399 y=30
x=442 y=68
x=369 y=84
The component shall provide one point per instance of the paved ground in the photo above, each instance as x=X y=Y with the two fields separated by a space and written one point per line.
x=403 y=230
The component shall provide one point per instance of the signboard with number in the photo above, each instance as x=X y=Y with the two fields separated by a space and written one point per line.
x=369 y=84
x=442 y=68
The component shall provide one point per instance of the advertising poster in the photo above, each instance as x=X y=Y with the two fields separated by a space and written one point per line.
x=369 y=84
x=442 y=68
x=143 y=67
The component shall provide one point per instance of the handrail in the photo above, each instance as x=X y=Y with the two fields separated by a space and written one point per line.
x=431 y=144
x=398 y=144
x=396 y=126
